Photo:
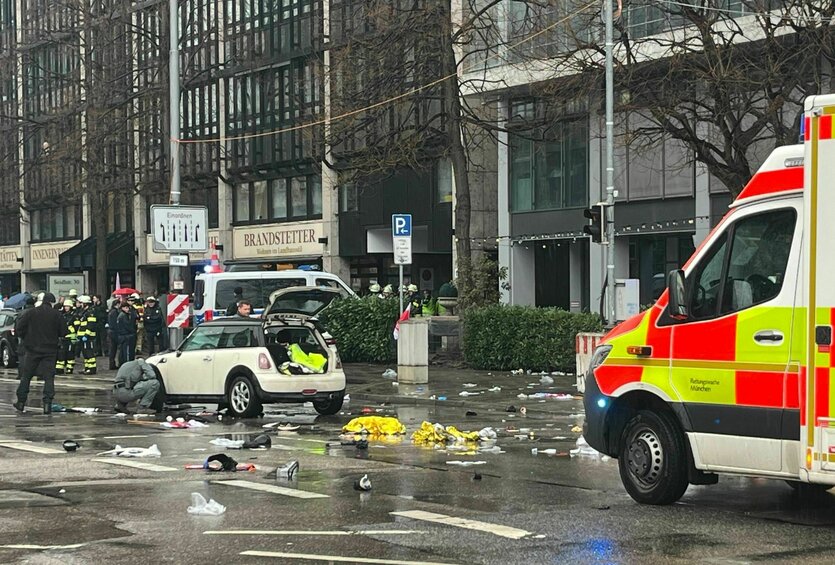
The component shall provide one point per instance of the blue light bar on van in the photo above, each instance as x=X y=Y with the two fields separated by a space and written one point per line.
x=308 y=267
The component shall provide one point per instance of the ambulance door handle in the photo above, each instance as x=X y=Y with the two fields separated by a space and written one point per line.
x=768 y=336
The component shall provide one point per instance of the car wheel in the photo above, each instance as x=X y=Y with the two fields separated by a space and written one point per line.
x=653 y=459
x=330 y=406
x=243 y=398
x=6 y=357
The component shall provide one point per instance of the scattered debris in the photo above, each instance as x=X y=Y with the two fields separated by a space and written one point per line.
x=487 y=434
x=375 y=425
x=228 y=443
x=466 y=463
x=282 y=426
x=523 y=411
x=545 y=395
x=288 y=470
x=517 y=372
x=468 y=393
x=70 y=445
x=495 y=389
x=363 y=484
x=346 y=398
x=510 y=408
x=62 y=491
x=395 y=383
x=577 y=429
x=120 y=451
x=471 y=413
x=199 y=506
x=476 y=476
x=429 y=434
x=181 y=423
x=584 y=449
x=546 y=380
x=536 y=451
x=469 y=385
x=362 y=444
x=493 y=449
x=390 y=374
x=261 y=441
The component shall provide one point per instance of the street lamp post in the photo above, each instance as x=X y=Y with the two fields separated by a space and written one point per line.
x=174 y=272
x=610 y=163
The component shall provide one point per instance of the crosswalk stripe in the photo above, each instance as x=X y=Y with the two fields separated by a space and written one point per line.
x=337 y=558
x=275 y=489
x=136 y=464
x=30 y=546
x=23 y=446
x=312 y=532
x=496 y=529
x=123 y=437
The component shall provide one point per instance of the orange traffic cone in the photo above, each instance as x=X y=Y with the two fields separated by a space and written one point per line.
x=214 y=262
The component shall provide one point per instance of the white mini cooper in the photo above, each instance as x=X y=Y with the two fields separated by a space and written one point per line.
x=242 y=363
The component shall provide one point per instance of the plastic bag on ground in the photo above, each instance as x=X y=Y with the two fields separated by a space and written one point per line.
x=468 y=393
x=228 y=443
x=390 y=374
x=375 y=425
x=199 y=506
x=583 y=449
x=546 y=380
x=487 y=433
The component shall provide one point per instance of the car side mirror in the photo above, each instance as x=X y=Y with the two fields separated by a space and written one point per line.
x=675 y=286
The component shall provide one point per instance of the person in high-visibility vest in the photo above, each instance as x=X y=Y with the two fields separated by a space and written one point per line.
x=87 y=325
x=65 y=361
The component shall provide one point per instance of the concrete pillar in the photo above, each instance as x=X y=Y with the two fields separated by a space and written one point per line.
x=523 y=277
x=503 y=204
x=413 y=352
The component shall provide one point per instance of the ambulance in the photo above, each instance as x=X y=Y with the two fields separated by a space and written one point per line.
x=731 y=371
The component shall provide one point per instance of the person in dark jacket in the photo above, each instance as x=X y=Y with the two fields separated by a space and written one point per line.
x=39 y=329
x=112 y=318
x=126 y=333
x=155 y=326
x=232 y=309
x=100 y=312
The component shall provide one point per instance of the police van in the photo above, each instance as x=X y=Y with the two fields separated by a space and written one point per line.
x=215 y=292
x=731 y=370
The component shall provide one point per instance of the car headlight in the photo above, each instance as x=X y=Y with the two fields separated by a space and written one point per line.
x=599 y=356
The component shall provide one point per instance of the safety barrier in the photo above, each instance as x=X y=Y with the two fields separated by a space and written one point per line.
x=584 y=347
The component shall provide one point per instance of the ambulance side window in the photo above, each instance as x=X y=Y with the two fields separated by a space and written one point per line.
x=749 y=271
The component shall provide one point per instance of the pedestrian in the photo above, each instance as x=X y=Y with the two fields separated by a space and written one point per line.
x=87 y=324
x=238 y=293
x=112 y=318
x=39 y=329
x=155 y=330
x=244 y=309
x=139 y=320
x=135 y=380
x=100 y=312
x=126 y=333
x=65 y=359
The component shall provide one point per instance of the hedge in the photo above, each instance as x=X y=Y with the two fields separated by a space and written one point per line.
x=363 y=329
x=522 y=337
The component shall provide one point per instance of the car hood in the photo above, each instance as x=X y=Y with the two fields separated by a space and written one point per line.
x=299 y=302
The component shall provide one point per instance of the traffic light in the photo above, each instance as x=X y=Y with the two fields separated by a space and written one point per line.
x=597 y=225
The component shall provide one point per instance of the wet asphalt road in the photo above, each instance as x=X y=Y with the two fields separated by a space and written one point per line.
x=67 y=508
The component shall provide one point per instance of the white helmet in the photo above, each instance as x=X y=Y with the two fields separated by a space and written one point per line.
x=135 y=296
x=412 y=288
x=84 y=299
x=375 y=288
x=69 y=303
x=73 y=292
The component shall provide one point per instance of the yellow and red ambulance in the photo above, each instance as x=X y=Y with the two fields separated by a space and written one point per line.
x=731 y=371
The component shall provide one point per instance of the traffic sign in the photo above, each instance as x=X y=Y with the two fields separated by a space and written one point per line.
x=180 y=229
x=401 y=231
x=178 y=260
x=401 y=225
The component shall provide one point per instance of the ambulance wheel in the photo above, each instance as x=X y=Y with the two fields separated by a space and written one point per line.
x=653 y=459
x=243 y=398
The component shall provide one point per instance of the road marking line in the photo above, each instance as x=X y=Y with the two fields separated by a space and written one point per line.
x=282 y=438
x=136 y=464
x=28 y=546
x=337 y=558
x=23 y=446
x=36 y=384
x=496 y=529
x=312 y=532
x=272 y=488
x=123 y=437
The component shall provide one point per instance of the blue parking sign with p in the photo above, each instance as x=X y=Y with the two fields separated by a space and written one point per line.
x=401 y=225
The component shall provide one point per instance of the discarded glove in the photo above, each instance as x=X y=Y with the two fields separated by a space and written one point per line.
x=375 y=425
x=199 y=506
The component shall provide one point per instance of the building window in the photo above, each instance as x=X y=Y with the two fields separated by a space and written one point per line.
x=349 y=198
x=550 y=173
x=444 y=181
x=296 y=198
x=49 y=224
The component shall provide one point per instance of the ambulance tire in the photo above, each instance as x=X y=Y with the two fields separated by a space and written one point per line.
x=653 y=459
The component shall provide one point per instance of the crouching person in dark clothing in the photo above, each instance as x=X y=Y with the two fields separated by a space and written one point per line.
x=136 y=380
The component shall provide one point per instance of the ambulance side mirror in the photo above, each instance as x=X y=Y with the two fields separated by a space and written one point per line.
x=675 y=285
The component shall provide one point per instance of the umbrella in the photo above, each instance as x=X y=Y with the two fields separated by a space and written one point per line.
x=125 y=291
x=17 y=301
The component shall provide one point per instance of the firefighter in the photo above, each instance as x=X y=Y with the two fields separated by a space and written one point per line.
x=87 y=325
x=139 y=318
x=414 y=300
x=374 y=290
x=65 y=361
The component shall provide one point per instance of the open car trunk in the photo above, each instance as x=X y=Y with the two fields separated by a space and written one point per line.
x=299 y=302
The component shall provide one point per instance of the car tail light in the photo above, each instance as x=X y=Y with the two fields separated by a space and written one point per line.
x=264 y=361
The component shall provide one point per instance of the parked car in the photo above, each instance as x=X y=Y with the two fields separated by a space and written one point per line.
x=8 y=339
x=237 y=362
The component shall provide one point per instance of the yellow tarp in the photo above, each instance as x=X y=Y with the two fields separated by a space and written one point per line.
x=436 y=433
x=374 y=425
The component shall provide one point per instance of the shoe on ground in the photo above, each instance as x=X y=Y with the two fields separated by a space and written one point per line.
x=121 y=408
x=19 y=406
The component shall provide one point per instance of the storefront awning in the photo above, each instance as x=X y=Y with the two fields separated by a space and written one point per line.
x=82 y=256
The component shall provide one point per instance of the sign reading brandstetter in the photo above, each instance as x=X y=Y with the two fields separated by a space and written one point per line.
x=298 y=239
x=180 y=229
